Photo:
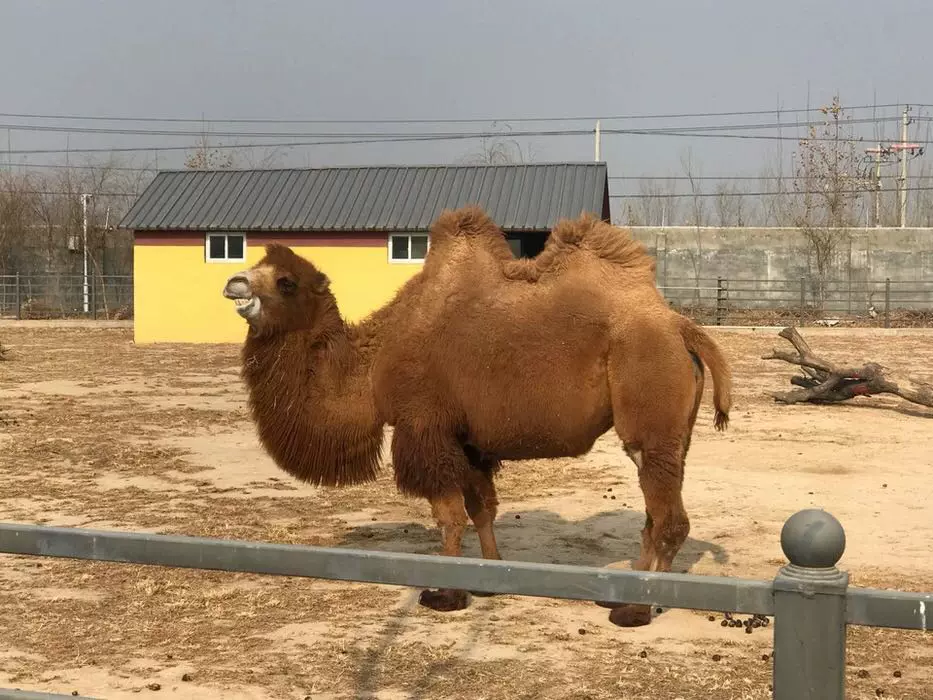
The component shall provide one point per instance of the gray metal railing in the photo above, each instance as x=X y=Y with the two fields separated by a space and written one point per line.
x=722 y=300
x=810 y=598
x=66 y=296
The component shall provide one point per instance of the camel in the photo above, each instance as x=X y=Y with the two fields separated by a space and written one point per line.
x=477 y=359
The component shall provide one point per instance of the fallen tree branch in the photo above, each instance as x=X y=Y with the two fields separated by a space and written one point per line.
x=824 y=382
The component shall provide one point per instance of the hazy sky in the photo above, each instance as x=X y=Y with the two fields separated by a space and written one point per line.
x=409 y=59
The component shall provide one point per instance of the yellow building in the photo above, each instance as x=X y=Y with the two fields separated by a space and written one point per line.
x=366 y=228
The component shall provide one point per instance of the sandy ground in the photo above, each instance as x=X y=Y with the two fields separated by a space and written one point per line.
x=96 y=432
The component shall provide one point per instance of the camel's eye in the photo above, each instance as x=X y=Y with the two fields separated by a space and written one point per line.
x=286 y=285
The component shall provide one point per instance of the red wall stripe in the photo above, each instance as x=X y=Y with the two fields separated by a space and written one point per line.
x=259 y=238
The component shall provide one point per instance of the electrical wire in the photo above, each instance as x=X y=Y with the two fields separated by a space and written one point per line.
x=467 y=120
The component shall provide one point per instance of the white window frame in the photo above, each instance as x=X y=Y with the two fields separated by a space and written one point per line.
x=409 y=260
x=226 y=235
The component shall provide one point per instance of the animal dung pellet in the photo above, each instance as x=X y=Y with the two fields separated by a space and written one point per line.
x=581 y=631
x=897 y=674
x=518 y=517
x=612 y=498
x=643 y=654
x=711 y=618
x=863 y=673
x=716 y=657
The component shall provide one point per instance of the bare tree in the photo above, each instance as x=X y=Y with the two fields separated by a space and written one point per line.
x=831 y=191
x=698 y=215
x=730 y=205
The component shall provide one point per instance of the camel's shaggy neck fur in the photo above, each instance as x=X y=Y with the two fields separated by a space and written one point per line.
x=310 y=396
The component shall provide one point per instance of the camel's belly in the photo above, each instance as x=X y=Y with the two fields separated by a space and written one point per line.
x=536 y=425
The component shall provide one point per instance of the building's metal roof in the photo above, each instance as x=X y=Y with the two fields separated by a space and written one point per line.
x=386 y=198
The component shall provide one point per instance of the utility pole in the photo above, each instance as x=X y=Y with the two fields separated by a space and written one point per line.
x=905 y=122
x=597 y=141
x=84 y=200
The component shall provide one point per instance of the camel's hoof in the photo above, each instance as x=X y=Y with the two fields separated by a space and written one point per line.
x=444 y=599
x=611 y=606
x=630 y=615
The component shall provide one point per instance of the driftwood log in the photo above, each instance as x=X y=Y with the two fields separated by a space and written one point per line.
x=825 y=382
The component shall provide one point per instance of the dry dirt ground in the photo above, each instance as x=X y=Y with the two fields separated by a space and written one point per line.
x=97 y=432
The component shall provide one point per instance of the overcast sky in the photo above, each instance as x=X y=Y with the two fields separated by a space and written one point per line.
x=408 y=59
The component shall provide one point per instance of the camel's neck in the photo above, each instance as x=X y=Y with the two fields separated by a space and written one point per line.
x=310 y=396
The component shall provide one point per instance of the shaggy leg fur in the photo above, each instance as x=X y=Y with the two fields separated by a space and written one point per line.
x=430 y=463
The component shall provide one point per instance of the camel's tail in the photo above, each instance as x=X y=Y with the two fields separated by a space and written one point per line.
x=698 y=342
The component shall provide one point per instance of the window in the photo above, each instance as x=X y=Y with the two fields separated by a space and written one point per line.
x=408 y=247
x=225 y=247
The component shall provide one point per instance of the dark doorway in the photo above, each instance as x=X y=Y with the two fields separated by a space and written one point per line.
x=526 y=244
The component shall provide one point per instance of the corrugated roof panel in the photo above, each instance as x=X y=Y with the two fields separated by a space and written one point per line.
x=226 y=192
x=261 y=213
x=518 y=197
x=287 y=199
x=172 y=194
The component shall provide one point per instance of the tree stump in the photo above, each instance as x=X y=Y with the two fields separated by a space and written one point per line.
x=824 y=382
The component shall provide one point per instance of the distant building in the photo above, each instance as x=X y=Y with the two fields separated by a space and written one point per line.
x=366 y=228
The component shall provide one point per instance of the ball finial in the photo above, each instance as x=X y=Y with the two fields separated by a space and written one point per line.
x=813 y=538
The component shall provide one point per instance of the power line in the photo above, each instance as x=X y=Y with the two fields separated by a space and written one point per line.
x=789 y=193
x=435 y=137
x=122 y=131
x=638 y=195
x=448 y=120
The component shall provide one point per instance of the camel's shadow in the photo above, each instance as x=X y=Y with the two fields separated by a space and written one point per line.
x=539 y=536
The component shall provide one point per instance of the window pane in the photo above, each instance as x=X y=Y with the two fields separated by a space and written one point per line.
x=235 y=245
x=516 y=245
x=419 y=247
x=399 y=247
x=216 y=247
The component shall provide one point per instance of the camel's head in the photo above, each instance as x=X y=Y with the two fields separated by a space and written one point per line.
x=283 y=291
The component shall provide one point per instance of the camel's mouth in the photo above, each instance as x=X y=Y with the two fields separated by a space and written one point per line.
x=238 y=289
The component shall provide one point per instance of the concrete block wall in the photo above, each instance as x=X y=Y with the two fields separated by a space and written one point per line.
x=773 y=263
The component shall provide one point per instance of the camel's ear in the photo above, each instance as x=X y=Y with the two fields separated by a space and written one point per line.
x=273 y=247
x=320 y=283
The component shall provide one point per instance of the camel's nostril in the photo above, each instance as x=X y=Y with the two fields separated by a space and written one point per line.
x=237 y=287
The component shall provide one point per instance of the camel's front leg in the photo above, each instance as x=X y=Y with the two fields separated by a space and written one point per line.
x=450 y=513
x=430 y=463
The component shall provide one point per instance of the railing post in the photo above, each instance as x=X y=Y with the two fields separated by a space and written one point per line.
x=93 y=295
x=803 y=297
x=810 y=610
x=18 y=296
x=887 y=302
x=720 y=300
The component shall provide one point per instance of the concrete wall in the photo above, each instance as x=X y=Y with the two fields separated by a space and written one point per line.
x=773 y=260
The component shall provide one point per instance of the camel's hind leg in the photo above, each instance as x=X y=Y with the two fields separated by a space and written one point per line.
x=482 y=502
x=654 y=418
x=660 y=475
x=479 y=495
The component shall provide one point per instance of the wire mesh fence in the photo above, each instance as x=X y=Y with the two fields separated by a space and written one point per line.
x=66 y=296
x=804 y=301
x=711 y=301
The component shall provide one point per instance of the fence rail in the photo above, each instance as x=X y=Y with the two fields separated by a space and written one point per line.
x=66 y=296
x=721 y=300
x=810 y=598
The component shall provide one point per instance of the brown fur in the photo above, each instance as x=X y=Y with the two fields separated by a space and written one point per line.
x=480 y=358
